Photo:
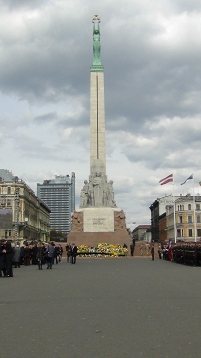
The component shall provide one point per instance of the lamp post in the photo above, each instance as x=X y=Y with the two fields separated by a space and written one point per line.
x=17 y=202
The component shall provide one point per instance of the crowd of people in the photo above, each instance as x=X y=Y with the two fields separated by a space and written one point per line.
x=187 y=253
x=181 y=252
x=36 y=254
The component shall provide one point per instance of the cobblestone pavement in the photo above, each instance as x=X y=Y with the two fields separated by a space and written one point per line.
x=101 y=308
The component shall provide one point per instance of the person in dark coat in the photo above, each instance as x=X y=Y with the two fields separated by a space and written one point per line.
x=74 y=254
x=152 y=252
x=16 y=256
x=50 y=255
x=40 y=255
x=69 y=252
x=56 y=254
x=60 y=248
x=27 y=255
x=3 y=258
x=34 y=254
x=131 y=249
x=9 y=258
x=22 y=255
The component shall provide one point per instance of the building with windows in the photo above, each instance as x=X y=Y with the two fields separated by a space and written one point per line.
x=176 y=218
x=142 y=232
x=158 y=208
x=187 y=219
x=23 y=216
x=59 y=195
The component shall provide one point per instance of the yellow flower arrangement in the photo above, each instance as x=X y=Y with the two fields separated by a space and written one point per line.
x=102 y=249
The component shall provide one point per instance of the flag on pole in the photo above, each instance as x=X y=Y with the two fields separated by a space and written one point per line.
x=166 y=180
x=190 y=177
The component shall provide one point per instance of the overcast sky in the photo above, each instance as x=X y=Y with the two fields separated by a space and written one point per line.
x=151 y=55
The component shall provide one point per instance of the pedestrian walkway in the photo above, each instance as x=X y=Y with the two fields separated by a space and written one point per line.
x=102 y=308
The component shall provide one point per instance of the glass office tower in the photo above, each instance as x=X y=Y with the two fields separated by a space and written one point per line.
x=59 y=195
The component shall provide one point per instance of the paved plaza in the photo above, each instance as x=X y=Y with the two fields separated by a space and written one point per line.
x=102 y=308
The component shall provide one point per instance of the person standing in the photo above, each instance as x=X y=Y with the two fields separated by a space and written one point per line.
x=69 y=253
x=141 y=249
x=159 y=252
x=40 y=255
x=27 y=255
x=131 y=249
x=152 y=252
x=60 y=252
x=74 y=254
x=56 y=254
x=9 y=258
x=16 y=256
x=22 y=255
x=2 y=258
x=34 y=254
x=147 y=248
x=50 y=255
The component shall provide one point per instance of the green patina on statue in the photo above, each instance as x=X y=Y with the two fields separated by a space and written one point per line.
x=96 y=45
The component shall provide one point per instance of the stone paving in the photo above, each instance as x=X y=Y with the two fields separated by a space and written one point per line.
x=101 y=308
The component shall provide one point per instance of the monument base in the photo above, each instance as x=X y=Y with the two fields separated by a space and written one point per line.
x=93 y=239
x=92 y=226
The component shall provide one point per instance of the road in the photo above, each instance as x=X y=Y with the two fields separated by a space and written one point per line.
x=102 y=308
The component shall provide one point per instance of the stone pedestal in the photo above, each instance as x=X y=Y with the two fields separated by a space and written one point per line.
x=92 y=226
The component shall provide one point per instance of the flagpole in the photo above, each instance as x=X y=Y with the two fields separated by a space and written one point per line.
x=175 y=236
x=194 y=210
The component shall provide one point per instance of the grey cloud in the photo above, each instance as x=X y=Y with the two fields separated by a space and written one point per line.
x=148 y=78
x=187 y=5
x=16 y=4
x=75 y=120
x=46 y=117
x=141 y=81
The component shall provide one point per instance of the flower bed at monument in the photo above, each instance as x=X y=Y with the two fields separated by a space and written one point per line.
x=103 y=249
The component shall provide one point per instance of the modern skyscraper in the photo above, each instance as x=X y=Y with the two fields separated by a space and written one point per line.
x=59 y=195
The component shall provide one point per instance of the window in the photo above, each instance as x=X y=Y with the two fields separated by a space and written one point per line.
x=189 y=219
x=190 y=232
x=9 y=190
x=180 y=219
x=197 y=206
x=189 y=206
x=179 y=232
x=181 y=207
x=198 y=218
x=199 y=232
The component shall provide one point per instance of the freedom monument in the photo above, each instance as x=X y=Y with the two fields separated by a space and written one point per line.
x=98 y=219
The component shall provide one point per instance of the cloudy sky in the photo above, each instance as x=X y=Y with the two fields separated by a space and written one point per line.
x=151 y=55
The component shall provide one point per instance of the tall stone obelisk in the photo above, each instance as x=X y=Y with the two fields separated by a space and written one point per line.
x=97 y=101
x=98 y=219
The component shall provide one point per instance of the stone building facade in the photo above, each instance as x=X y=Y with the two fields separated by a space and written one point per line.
x=23 y=216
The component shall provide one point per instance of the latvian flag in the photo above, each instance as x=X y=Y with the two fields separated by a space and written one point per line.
x=166 y=180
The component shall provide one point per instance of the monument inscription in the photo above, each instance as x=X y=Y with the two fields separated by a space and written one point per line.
x=98 y=220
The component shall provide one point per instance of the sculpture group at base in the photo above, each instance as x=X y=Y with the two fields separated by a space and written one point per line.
x=97 y=192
